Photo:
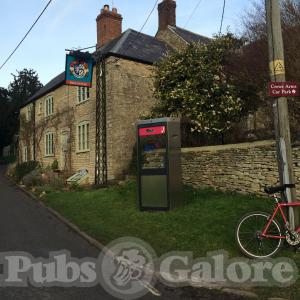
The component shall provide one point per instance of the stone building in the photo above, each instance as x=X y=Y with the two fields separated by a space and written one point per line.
x=94 y=128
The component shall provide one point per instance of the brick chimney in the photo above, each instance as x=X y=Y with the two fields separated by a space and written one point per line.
x=166 y=14
x=109 y=25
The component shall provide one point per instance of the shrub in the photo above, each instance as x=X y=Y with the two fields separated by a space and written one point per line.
x=10 y=170
x=24 y=168
x=33 y=179
x=43 y=190
x=7 y=160
x=54 y=165
x=46 y=169
x=56 y=182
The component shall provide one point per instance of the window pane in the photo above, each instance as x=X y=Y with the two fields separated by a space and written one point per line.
x=83 y=93
x=83 y=137
x=49 y=141
x=46 y=144
x=79 y=137
x=87 y=136
x=52 y=106
x=52 y=148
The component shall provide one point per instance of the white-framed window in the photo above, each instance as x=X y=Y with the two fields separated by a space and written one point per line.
x=250 y=122
x=29 y=113
x=25 y=154
x=49 y=144
x=83 y=137
x=49 y=106
x=83 y=94
x=40 y=107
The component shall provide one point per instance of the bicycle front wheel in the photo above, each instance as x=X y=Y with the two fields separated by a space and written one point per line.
x=248 y=235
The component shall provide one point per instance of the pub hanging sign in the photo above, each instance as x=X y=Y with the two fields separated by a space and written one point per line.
x=79 y=69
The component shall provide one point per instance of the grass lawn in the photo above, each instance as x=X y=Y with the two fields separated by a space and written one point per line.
x=206 y=222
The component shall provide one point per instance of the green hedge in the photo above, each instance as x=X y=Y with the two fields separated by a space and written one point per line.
x=7 y=160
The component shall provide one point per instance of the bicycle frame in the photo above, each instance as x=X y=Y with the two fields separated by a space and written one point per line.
x=279 y=207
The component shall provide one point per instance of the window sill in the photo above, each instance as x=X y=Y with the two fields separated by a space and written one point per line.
x=82 y=151
x=49 y=116
x=49 y=155
x=82 y=102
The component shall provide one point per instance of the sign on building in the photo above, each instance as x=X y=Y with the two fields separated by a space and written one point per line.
x=79 y=69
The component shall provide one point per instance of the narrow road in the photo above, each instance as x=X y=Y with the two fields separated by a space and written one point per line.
x=28 y=227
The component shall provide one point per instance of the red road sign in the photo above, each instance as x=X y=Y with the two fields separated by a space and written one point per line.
x=283 y=89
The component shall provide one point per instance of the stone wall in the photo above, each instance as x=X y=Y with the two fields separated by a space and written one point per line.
x=68 y=114
x=246 y=168
x=172 y=39
x=129 y=96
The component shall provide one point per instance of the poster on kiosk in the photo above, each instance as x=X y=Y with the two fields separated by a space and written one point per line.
x=159 y=164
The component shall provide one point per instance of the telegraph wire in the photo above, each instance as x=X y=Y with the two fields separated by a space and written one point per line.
x=143 y=26
x=146 y=21
x=80 y=49
x=150 y=14
x=25 y=35
x=86 y=48
x=192 y=14
x=222 y=19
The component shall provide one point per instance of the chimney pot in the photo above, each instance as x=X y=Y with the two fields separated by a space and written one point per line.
x=114 y=10
x=106 y=7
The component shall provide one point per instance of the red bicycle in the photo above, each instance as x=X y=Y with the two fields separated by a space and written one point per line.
x=260 y=235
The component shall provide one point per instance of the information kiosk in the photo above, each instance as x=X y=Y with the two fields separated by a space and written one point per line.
x=159 y=164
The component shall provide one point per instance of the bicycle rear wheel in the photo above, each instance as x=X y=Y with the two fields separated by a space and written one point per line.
x=248 y=235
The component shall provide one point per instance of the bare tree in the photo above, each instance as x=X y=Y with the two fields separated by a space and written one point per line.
x=252 y=62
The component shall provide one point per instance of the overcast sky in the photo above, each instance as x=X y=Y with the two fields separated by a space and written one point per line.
x=71 y=23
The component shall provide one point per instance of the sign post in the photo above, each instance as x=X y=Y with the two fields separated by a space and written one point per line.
x=79 y=69
x=280 y=107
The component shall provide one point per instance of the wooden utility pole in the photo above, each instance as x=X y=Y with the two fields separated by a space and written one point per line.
x=280 y=107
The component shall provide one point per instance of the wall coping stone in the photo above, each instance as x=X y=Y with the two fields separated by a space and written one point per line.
x=229 y=146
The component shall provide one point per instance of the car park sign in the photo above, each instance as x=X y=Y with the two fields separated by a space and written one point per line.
x=284 y=89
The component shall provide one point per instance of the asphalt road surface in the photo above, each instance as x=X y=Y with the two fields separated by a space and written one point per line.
x=28 y=227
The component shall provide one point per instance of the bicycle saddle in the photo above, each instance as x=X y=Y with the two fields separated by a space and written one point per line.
x=277 y=189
